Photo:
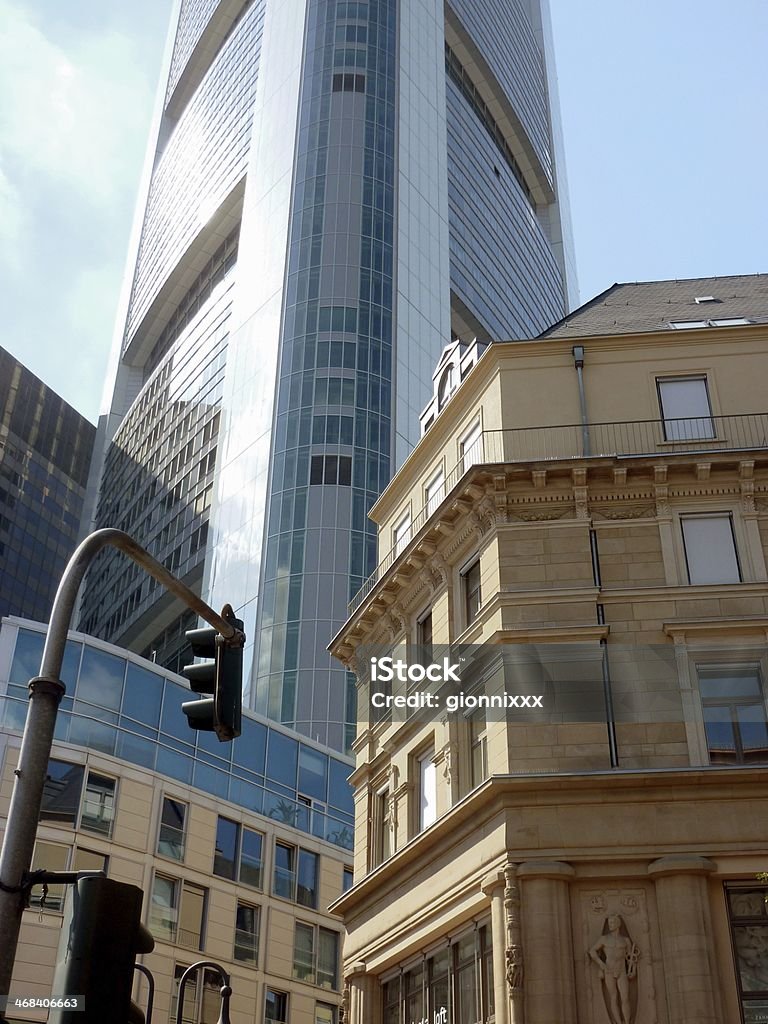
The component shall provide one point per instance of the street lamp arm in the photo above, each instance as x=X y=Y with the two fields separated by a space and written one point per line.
x=66 y=595
x=45 y=693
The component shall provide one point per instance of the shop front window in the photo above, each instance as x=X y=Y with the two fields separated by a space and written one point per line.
x=453 y=986
x=748 y=912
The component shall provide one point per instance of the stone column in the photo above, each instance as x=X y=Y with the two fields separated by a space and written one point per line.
x=360 y=1001
x=690 y=970
x=493 y=886
x=550 y=987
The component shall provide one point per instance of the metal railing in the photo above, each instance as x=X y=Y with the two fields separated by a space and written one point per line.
x=705 y=434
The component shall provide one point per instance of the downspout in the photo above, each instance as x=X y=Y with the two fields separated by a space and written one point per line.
x=578 y=362
x=610 y=721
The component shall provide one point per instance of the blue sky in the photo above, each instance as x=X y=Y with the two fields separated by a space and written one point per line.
x=664 y=118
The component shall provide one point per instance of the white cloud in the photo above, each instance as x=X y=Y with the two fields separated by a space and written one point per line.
x=70 y=116
x=12 y=220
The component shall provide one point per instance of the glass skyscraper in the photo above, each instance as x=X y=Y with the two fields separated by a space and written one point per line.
x=336 y=188
x=45 y=452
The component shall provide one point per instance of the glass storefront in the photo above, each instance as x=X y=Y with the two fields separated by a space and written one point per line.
x=454 y=985
x=748 y=913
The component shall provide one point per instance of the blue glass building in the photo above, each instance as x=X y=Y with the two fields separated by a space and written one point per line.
x=335 y=189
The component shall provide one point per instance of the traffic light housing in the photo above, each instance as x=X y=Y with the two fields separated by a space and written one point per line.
x=101 y=936
x=221 y=675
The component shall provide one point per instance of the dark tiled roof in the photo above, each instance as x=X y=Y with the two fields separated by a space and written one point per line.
x=653 y=305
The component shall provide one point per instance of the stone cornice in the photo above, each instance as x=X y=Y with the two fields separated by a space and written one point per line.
x=702 y=629
x=502 y=793
x=558 y=494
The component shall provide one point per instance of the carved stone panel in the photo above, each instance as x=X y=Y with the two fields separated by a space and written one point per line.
x=617 y=979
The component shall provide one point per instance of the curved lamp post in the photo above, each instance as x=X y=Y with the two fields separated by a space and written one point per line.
x=225 y=991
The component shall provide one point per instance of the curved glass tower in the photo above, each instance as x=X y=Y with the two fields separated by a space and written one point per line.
x=337 y=187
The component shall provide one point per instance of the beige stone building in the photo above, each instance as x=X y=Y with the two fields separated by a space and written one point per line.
x=589 y=510
x=239 y=848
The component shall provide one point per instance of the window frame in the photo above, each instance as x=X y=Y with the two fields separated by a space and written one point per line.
x=432 y=501
x=193 y=984
x=703 y=665
x=285 y=997
x=693 y=516
x=256 y=934
x=241 y=831
x=381 y=833
x=297 y=854
x=425 y=772
x=166 y=797
x=471 y=616
x=467 y=441
x=317 y=931
x=746 y=921
x=401 y=533
x=668 y=419
x=180 y=887
x=78 y=822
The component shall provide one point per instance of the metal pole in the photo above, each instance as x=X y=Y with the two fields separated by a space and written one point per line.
x=45 y=693
x=151 y=994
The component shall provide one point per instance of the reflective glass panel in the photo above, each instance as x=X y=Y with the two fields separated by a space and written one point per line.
x=101 y=679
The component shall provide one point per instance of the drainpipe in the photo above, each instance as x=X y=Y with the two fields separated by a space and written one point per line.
x=610 y=720
x=578 y=362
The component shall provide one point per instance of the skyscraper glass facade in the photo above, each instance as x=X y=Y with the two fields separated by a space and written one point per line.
x=45 y=453
x=371 y=176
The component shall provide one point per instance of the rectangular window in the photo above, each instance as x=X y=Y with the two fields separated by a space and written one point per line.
x=192 y=916
x=401 y=534
x=306 y=882
x=292 y=884
x=734 y=713
x=331 y=469
x=381 y=845
x=247 y=934
x=202 y=1004
x=471 y=447
x=61 y=793
x=170 y=841
x=316 y=955
x=427 y=790
x=478 y=747
x=284 y=879
x=276 y=1006
x=685 y=408
x=710 y=549
x=177 y=912
x=424 y=636
x=251 y=863
x=225 y=851
x=87 y=860
x=748 y=913
x=163 y=908
x=454 y=984
x=238 y=854
x=472 y=595
x=325 y=1014
x=98 y=804
x=348 y=880
x=51 y=857
x=434 y=492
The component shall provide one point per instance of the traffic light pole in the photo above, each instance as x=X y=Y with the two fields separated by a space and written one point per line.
x=45 y=693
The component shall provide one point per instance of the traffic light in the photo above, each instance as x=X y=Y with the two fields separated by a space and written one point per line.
x=101 y=936
x=221 y=675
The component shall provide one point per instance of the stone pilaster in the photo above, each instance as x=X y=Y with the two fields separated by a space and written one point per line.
x=550 y=987
x=493 y=886
x=362 y=1001
x=690 y=970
